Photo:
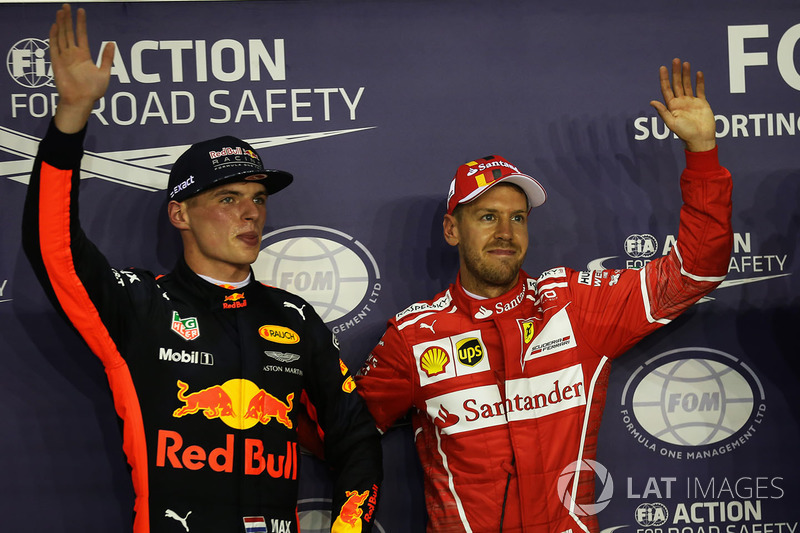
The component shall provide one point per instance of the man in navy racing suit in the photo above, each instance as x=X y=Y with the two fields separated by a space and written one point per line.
x=211 y=371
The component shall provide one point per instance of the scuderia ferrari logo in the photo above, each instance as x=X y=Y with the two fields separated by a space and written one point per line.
x=527 y=330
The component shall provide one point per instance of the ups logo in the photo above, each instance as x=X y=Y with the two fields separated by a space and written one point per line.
x=470 y=351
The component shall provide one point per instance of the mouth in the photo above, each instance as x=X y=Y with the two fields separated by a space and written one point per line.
x=503 y=252
x=250 y=238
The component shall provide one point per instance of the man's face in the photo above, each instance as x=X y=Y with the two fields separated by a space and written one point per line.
x=223 y=226
x=491 y=233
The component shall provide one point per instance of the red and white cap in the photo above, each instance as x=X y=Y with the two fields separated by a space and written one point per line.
x=476 y=177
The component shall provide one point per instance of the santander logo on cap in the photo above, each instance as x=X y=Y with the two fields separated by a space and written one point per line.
x=473 y=178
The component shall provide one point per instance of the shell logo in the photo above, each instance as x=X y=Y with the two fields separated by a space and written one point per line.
x=433 y=361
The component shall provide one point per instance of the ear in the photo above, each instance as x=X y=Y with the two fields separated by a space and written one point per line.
x=177 y=214
x=450 y=228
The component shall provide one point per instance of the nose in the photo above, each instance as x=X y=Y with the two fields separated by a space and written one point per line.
x=503 y=230
x=250 y=210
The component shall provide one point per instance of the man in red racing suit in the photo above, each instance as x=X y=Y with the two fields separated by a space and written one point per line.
x=508 y=373
x=208 y=378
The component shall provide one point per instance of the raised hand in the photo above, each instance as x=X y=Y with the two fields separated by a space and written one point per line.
x=78 y=80
x=688 y=116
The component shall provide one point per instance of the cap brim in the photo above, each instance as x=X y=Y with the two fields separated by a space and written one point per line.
x=273 y=180
x=532 y=188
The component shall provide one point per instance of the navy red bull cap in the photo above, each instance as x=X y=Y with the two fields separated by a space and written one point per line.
x=476 y=177
x=207 y=164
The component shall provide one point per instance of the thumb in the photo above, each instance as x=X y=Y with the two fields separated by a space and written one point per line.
x=663 y=112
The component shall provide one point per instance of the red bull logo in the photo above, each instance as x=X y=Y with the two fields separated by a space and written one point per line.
x=213 y=401
x=173 y=452
x=349 y=519
x=349 y=384
x=264 y=407
x=239 y=403
x=234 y=301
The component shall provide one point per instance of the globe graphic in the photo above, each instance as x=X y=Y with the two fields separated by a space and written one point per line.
x=28 y=62
x=693 y=402
x=327 y=274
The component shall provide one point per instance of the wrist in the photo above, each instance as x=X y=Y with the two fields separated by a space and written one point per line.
x=701 y=146
x=71 y=118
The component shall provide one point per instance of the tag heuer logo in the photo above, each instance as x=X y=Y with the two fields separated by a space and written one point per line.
x=185 y=327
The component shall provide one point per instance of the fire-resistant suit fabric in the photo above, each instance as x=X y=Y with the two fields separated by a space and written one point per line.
x=508 y=392
x=208 y=381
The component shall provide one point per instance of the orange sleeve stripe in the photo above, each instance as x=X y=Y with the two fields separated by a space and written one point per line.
x=55 y=241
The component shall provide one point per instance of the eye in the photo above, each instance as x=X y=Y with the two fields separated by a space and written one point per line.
x=226 y=200
x=518 y=218
x=259 y=200
x=488 y=217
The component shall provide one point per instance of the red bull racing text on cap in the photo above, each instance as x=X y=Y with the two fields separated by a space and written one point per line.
x=207 y=164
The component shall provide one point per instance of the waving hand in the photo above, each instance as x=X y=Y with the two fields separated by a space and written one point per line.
x=688 y=116
x=78 y=80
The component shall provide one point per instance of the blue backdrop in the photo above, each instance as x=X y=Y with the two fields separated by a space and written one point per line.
x=373 y=105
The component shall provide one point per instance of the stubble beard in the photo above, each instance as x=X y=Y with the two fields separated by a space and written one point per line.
x=496 y=274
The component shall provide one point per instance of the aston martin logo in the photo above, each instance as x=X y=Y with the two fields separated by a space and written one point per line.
x=145 y=168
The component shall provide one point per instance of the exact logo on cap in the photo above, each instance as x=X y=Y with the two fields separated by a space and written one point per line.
x=182 y=185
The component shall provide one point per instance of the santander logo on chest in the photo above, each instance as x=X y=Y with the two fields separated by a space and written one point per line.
x=525 y=399
x=487 y=309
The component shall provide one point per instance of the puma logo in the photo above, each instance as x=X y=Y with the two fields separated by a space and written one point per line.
x=171 y=514
x=298 y=309
x=428 y=326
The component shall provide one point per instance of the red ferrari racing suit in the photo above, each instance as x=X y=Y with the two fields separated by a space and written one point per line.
x=509 y=391
x=207 y=380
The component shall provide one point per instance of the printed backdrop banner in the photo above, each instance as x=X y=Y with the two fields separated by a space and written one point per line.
x=372 y=106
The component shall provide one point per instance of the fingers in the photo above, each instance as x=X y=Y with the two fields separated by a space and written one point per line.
x=83 y=36
x=666 y=87
x=67 y=37
x=680 y=84
x=686 y=78
x=677 y=75
x=61 y=31
x=701 y=85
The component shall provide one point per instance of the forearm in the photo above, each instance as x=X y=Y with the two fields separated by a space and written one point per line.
x=705 y=236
